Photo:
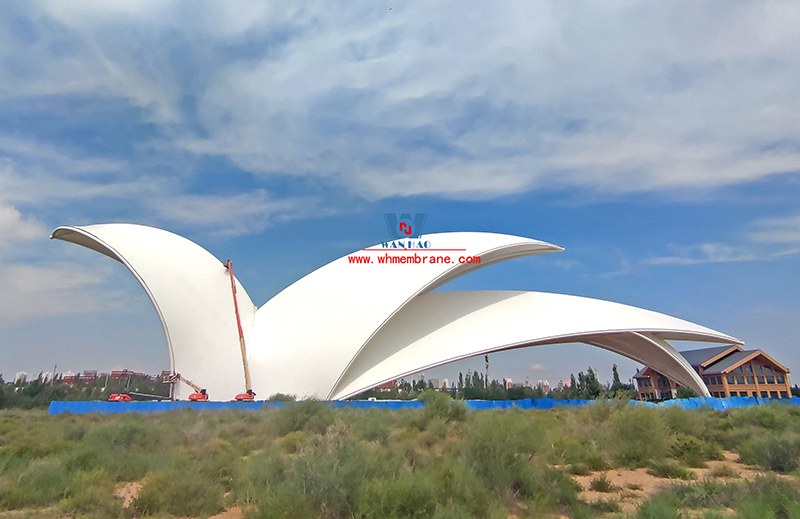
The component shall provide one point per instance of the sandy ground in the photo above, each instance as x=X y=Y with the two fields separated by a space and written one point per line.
x=128 y=492
x=633 y=487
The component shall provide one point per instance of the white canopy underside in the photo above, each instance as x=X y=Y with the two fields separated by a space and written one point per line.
x=346 y=328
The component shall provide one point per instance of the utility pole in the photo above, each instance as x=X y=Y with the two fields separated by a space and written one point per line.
x=486 y=360
x=53 y=379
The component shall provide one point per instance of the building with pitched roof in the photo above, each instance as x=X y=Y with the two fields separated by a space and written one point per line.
x=726 y=371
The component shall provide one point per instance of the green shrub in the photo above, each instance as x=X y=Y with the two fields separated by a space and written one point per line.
x=606 y=506
x=638 y=434
x=460 y=488
x=408 y=495
x=772 y=453
x=438 y=406
x=723 y=471
x=579 y=469
x=694 y=452
x=763 y=497
x=660 y=507
x=92 y=495
x=179 y=491
x=580 y=450
x=310 y=415
x=294 y=440
x=44 y=482
x=669 y=469
x=602 y=484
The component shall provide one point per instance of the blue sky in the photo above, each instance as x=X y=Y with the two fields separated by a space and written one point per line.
x=657 y=142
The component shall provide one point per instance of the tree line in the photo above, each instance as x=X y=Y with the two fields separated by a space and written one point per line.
x=474 y=386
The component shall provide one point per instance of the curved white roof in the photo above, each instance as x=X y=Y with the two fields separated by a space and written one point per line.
x=348 y=327
x=191 y=292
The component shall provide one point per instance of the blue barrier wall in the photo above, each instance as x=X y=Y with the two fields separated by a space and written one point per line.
x=535 y=403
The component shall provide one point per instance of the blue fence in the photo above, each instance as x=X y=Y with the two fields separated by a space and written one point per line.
x=533 y=403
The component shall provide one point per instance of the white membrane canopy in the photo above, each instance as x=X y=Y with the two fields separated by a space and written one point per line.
x=348 y=327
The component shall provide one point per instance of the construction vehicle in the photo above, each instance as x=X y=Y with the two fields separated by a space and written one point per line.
x=248 y=395
x=119 y=397
x=199 y=395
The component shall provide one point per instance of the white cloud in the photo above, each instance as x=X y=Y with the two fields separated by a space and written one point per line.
x=231 y=215
x=719 y=253
x=32 y=291
x=14 y=227
x=784 y=230
x=538 y=367
x=618 y=98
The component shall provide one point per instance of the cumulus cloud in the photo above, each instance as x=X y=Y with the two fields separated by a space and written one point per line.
x=537 y=367
x=15 y=227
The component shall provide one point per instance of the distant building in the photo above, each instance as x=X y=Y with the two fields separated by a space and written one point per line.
x=89 y=374
x=546 y=386
x=434 y=382
x=47 y=377
x=20 y=378
x=68 y=377
x=388 y=386
x=726 y=371
x=508 y=383
x=445 y=384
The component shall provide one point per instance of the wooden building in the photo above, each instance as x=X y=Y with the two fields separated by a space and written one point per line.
x=726 y=371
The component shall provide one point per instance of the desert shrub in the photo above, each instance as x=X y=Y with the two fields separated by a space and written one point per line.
x=580 y=469
x=688 y=422
x=215 y=460
x=669 y=469
x=258 y=476
x=179 y=491
x=372 y=424
x=767 y=497
x=771 y=452
x=324 y=479
x=760 y=498
x=92 y=496
x=602 y=484
x=119 y=464
x=663 y=506
x=704 y=494
x=460 y=488
x=438 y=405
x=774 y=417
x=407 y=495
x=126 y=434
x=310 y=415
x=280 y=397
x=723 y=471
x=604 y=506
x=294 y=440
x=638 y=434
x=44 y=482
x=694 y=452
x=578 y=450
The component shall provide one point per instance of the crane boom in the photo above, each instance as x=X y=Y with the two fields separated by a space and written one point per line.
x=248 y=387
